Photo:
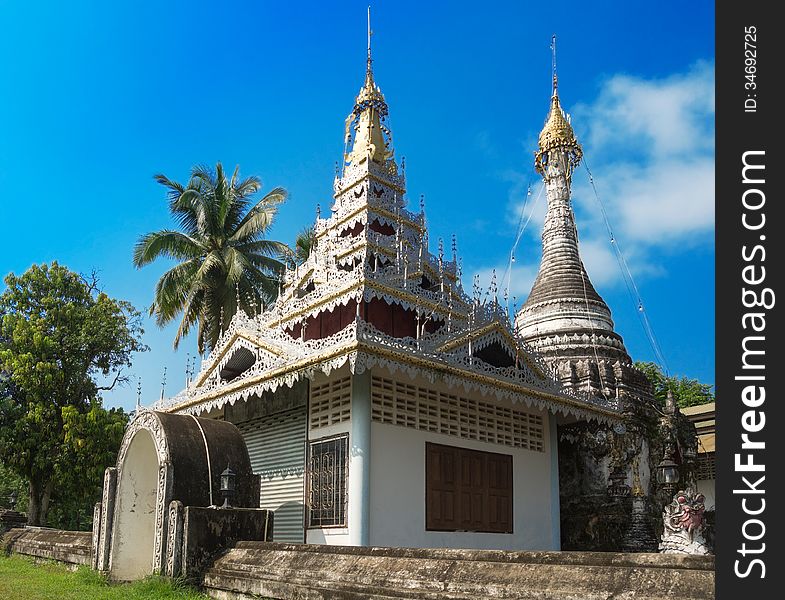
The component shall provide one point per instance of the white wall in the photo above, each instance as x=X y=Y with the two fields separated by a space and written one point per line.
x=398 y=493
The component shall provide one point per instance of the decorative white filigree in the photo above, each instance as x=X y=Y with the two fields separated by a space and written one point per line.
x=174 y=546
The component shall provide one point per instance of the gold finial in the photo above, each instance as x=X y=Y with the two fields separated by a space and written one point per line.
x=557 y=134
x=366 y=119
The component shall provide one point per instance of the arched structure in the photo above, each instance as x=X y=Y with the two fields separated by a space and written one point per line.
x=137 y=494
x=164 y=458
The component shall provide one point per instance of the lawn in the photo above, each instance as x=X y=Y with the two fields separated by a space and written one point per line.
x=23 y=579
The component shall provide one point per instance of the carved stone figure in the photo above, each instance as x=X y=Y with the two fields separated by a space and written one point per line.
x=683 y=519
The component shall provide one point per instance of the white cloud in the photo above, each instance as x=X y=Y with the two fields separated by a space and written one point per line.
x=662 y=117
x=650 y=145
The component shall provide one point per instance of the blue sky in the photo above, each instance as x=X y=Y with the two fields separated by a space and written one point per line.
x=96 y=97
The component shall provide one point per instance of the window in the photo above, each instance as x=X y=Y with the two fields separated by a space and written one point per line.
x=327 y=476
x=467 y=490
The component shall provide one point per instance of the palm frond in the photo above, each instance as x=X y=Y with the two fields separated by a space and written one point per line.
x=260 y=218
x=192 y=312
x=304 y=244
x=265 y=247
x=172 y=290
x=168 y=243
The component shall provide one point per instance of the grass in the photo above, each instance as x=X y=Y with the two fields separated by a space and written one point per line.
x=21 y=578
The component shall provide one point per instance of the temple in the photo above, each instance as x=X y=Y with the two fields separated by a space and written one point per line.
x=384 y=405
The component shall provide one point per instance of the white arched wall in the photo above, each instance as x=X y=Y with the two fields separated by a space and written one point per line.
x=133 y=540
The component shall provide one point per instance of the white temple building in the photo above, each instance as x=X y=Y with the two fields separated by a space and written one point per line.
x=382 y=403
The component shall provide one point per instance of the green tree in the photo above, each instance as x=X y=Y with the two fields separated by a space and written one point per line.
x=686 y=391
x=303 y=245
x=221 y=252
x=12 y=487
x=58 y=336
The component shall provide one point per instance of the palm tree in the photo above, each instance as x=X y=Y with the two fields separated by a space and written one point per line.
x=303 y=245
x=222 y=254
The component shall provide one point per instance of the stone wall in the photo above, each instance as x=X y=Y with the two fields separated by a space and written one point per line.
x=9 y=519
x=72 y=547
x=283 y=571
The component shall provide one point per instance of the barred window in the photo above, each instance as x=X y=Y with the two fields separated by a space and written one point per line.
x=327 y=481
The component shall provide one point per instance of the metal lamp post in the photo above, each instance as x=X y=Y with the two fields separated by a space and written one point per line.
x=668 y=474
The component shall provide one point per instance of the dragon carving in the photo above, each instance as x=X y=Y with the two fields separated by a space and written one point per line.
x=683 y=519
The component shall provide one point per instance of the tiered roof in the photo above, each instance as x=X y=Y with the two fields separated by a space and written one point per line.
x=372 y=294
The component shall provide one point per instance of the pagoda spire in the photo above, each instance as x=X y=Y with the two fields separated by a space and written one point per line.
x=563 y=301
x=366 y=133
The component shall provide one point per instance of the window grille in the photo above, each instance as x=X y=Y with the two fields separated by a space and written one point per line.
x=327 y=482
x=705 y=467
x=331 y=402
x=407 y=405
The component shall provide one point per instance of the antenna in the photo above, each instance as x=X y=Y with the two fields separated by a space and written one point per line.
x=553 y=63
x=163 y=384
x=370 y=33
x=138 y=393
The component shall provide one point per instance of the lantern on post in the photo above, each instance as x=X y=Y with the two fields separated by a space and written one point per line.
x=228 y=486
x=668 y=473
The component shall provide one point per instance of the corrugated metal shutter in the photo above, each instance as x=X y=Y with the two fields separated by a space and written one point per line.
x=276 y=445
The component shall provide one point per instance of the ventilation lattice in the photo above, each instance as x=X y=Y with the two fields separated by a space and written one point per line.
x=331 y=402
x=407 y=405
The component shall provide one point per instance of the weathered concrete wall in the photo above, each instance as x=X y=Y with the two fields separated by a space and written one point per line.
x=284 y=571
x=209 y=531
x=71 y=547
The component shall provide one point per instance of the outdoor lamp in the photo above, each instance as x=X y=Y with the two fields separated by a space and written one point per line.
x=668 y=474
x=12 y=498
x=227 y=486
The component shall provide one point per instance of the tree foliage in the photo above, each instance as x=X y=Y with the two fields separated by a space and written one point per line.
x=303 y=245
x=686 y=391
x=222 y=254
x=60 y=336
x=12 y=486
